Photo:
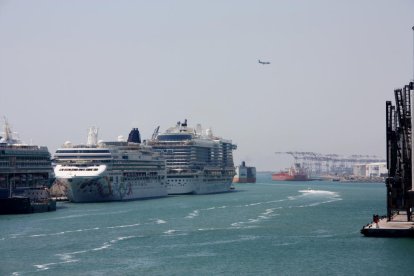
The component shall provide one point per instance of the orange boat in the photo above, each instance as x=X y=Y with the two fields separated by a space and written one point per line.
x=295 y=173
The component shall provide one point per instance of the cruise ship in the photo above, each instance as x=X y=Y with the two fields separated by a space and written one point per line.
x=110 y=171
x=197 y=161
x=26 y=173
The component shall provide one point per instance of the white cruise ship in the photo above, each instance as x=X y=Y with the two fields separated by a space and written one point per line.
x=197 y=161
x=110 y=171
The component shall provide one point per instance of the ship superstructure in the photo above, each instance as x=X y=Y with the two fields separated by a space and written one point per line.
x=197 y=161
x=26 y=173
x=110 y=171
x=245 y=174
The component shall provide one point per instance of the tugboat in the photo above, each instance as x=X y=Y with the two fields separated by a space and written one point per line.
x=26 y=174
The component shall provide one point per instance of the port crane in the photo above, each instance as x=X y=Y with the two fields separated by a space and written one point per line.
x=400 y=196
x=320 y=164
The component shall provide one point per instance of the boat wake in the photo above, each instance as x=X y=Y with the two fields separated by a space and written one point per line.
x=217 y=242
x=267 y=214
x=194 y=214
x=318 y=192
x=89 y=213
x=69 y=257
x=159 y=221
x=123 y=226
x=14 y=236
x=173 y=232
x=308 y=195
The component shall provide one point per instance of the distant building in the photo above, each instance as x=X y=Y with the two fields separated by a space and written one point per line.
x=370 y=170
x=376 y=169
x=359 y=169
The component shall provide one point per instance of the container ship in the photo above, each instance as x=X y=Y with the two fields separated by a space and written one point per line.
x=295 y=173
x=26 y=175
x=245 y=174
x=110 y=171
x=197 y=161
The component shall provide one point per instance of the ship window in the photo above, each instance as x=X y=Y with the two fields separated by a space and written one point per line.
x=177 y=137
x=82 y=151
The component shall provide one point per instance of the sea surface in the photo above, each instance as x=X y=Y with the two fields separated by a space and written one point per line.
x=267 y=228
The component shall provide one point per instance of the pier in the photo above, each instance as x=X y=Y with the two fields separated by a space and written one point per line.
x=398 y=226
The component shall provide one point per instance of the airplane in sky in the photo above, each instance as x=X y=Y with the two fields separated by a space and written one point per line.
x=263 y=62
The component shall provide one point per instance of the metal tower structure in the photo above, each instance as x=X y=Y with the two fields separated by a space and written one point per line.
x=399 y=153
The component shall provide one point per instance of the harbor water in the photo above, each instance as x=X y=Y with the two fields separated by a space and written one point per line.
x=266 y=228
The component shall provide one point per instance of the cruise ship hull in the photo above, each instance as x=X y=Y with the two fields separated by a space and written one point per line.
x=100 y=189
x=197 y=185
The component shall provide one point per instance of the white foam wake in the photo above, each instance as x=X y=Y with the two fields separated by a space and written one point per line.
x=160 y=221
x=62 y=233
x=318 y=192
x=69 y=256
x=173 y=232
x=123 y=226
x=267 y=214
x=329 y=195
x=196 y=213
x=193 y=214
x=40 y=235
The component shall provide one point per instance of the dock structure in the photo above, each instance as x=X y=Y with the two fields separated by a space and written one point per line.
x=400 y=194
x=398 y=226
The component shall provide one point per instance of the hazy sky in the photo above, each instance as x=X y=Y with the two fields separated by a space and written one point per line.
x=68 y=65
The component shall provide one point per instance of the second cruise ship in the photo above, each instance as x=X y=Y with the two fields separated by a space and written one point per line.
x=197 y=161
x=110 y=171
x=26 y=174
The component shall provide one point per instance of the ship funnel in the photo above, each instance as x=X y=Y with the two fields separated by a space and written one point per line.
x=92 y=136
x=185 y=123
x=134 y=136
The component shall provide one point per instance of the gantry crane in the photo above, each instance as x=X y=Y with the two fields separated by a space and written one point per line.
x=400 y=196
x=319 y=164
